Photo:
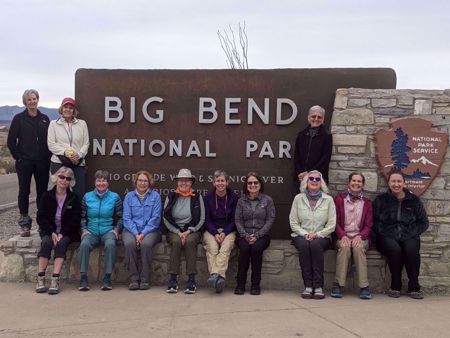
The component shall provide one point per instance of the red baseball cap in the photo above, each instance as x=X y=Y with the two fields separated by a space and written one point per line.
x=68 y=100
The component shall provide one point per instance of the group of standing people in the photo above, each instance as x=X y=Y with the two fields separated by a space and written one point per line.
x=221 y=221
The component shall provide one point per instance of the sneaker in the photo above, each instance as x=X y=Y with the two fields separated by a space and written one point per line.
x=25 y=232
x=212 y=280
x=84 y=283
x=54 y=286
x=239 y=290
x=336 y=291
x=106 y=282
x=134 y=285
x=220 y=284
x=318 y=293
x=40 y=286
x=364 y=293
x=255 y=290
x=416 y=294
x=393 y=293
x=144 y=286
x=191 y=287
x=172 y=287
x=307 y=293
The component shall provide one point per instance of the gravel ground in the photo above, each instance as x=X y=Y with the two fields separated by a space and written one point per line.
x=8 y=222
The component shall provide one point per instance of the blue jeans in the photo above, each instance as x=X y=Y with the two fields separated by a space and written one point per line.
x=89 y=242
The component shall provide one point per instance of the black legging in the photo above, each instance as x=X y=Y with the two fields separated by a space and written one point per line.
x=60 y=247
x=398 y=254
x=251 y=253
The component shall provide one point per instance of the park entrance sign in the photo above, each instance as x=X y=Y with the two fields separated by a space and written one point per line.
x=239 y=121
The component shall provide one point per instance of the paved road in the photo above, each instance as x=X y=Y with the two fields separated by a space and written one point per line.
x=9 y=189
x=153 y=313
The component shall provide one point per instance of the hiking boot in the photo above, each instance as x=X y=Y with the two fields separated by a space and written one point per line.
x=54 y=286
x=318 y=293
x=220 y=284
x=25 y=225
x=84 y=283
x=393 y=293
x=106 y=282
x=255 y=290
x=336 y=291
x=40 y=286
x=364 y=293
x=416 y=294
x=133 y=286
x=239 y=290
x=191 y=287
x=144 y=286
x=212 y=280
x=172 y=286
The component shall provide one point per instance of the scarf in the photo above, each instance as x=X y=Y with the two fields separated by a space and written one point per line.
x=354 y=197
x=185 y=194
x=313 y=195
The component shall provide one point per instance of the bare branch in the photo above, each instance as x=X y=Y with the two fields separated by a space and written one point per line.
x=236 y=57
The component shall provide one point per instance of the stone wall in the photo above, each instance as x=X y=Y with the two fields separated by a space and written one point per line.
x=18 y=262
x=357 y=114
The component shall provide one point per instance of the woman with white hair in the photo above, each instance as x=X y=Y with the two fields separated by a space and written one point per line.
x=313 y=146
x=58 y=216
x=312 y=220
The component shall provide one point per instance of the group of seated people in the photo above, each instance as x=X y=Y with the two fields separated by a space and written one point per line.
x=221 y=220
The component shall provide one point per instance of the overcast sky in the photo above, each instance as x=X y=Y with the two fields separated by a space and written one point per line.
x=44 y=42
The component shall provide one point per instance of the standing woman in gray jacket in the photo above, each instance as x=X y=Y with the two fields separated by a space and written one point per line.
x=255 y=214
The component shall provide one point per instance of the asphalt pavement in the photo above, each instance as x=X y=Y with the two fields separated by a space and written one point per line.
x=9 y=189
x=153 y=313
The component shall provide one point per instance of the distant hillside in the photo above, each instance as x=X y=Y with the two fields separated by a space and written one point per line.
x=7 y=112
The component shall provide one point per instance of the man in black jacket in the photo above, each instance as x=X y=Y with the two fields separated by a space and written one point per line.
x=27 y=142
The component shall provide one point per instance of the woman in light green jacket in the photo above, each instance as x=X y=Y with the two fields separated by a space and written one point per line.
x=312 y=220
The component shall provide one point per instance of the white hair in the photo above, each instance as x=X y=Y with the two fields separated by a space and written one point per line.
x=304 y=183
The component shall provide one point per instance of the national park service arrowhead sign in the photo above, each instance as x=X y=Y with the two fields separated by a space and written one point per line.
x=411 y=146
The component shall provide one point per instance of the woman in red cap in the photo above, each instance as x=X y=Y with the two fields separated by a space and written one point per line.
x=68 y=140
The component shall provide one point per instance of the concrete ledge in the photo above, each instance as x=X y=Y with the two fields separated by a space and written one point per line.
x=281 y=270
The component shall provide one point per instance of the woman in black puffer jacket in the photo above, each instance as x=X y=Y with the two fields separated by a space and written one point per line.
x=399 y=219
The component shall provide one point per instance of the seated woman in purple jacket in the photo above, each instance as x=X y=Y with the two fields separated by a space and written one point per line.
x=58 y=216
x=353 y=230
x=141 y=218
x=220 y=234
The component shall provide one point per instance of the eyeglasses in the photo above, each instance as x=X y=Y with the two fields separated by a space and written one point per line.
x=252 y=182
x=142 y=181
x=67 y=178
x=316 y=117
x=314 y=179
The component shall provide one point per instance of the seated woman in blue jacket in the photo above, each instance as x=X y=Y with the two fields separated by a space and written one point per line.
x=58 y=217
x=101 y=221
x=141 y=218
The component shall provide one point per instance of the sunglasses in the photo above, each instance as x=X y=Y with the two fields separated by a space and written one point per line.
x=316 y=117
x=252 y=183
x=314 y=179
x=67 y=178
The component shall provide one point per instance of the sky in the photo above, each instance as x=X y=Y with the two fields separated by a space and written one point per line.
x=43 y=42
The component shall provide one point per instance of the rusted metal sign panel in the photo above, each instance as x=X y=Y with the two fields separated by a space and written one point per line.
x=240 y=121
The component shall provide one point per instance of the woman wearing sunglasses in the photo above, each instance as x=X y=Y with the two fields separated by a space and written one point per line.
x=313 y=220
x=255 y=214
x=58 y=216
